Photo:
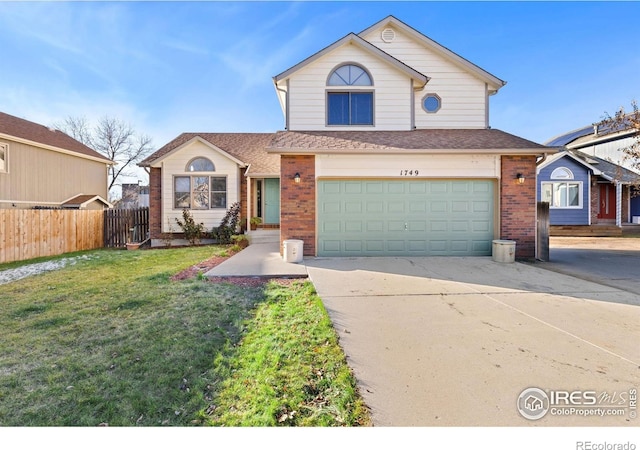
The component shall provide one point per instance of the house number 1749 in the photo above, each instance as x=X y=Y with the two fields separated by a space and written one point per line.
x=409 y=173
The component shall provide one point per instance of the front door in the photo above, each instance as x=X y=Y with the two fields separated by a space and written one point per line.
x=272 y=201
x=607 y=208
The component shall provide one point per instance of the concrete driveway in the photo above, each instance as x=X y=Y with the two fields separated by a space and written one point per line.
x=455 y=341
x=610 y=261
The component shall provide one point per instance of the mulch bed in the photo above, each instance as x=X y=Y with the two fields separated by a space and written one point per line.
x=208 y=264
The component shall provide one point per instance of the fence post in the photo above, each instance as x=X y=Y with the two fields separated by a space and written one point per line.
x=542 y=250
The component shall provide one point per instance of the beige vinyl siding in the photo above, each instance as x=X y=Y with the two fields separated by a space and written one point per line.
x=463 y=95
x=394 y=166
x=40 y=176
x=308 y=88
x=175 y=165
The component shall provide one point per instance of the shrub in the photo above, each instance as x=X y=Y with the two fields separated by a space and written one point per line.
x=193 y=231
x=228 y=225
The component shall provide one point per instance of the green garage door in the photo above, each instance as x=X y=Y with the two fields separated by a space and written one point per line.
x=405 y=217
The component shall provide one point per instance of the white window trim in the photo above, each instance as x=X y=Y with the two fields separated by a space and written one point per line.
x=580 y=193
x=4 y=164
x=192 y=175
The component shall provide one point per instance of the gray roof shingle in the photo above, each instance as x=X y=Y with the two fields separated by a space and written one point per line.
x=400 y=141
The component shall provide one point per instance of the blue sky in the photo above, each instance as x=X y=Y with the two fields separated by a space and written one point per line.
x=171 y=67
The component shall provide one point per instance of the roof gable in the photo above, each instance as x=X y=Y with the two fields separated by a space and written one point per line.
x=494 y=82
x=567 y=154
x=189 y=142
x=246 y=149
x=356 y=40
x=15 y=128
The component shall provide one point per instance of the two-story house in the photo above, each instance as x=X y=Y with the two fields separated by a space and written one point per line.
x=387 y=150
x=44 y=167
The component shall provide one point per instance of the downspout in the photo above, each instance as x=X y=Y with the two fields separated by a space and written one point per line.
x=618 y=204
x=286 y=102
x=249 y=198
x=413 y=107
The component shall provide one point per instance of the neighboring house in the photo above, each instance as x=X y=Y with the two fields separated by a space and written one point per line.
x=387 y=150
x=584 y=190
x=615 y=196
x=42 y=167
x=134 y=196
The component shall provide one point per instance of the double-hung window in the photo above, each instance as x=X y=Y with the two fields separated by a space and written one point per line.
x=351 y=103
x=200 y=191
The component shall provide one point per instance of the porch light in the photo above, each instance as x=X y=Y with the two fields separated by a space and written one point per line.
x=296 y=178
x=520 y=178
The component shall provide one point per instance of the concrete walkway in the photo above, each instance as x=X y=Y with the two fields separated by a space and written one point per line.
x=258 y=260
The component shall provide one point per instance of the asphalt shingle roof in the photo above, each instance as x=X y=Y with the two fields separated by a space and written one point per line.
x=610 y=169
x=31 y=131
x=398 y=141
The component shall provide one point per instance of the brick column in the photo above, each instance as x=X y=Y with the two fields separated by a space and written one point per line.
x=518 y=204
x=155 y=203
x=298 y=201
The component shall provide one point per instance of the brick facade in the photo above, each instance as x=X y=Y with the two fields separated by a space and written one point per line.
x=518 y=204
x=155 y=203
x=298 y=201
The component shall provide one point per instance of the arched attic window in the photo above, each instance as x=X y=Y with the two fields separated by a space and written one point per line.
x=349 y=97
x=349 y=75
x=561 y=173
x=200 y=164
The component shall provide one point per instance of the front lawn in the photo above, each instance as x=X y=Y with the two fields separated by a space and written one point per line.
x=111 y=340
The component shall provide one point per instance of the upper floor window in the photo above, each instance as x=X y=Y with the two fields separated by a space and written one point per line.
x=431 y=103
x=350 y=105
x=4 y=151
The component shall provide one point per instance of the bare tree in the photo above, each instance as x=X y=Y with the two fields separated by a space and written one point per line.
x=113 y=138
x=623 y=121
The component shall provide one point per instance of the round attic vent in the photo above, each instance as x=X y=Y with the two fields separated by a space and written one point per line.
x=388 y=35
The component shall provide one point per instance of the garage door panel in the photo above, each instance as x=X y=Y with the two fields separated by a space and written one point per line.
x=395 y=246
x=395 y=226
x=437 y=206
x=375 y=207
x=459 y=226
x=375 y=226
x=332 y=227
x=405 y=217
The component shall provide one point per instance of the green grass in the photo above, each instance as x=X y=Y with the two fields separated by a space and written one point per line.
x=288 y=375
x=112 y=340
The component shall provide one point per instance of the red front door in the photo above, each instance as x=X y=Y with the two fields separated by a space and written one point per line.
x=607 y=208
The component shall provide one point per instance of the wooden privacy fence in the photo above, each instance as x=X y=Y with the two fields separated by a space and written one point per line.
x=33 y=233
x=125 y=225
